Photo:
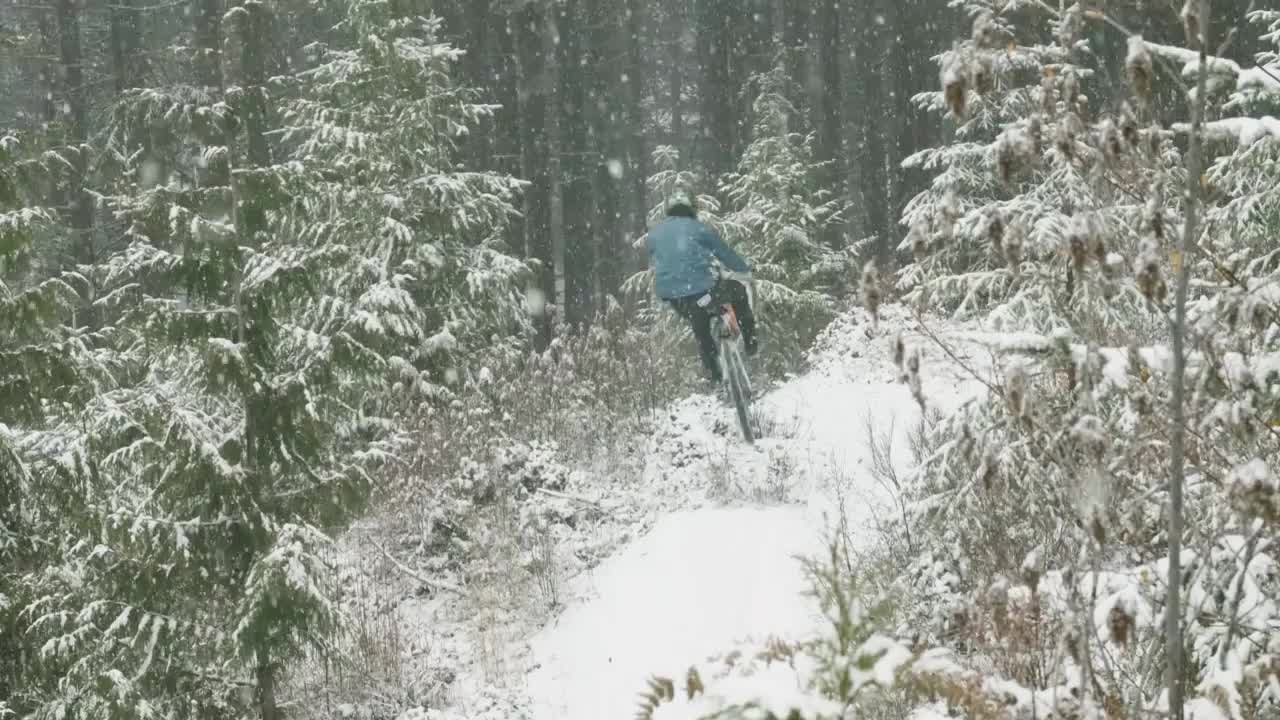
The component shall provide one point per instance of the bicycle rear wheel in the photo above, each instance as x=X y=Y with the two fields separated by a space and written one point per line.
x=735 y=374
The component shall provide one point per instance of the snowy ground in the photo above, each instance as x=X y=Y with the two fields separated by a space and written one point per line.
x=705 y=580
x=698 y=554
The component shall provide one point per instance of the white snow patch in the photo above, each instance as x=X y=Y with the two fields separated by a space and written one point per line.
x=698 y=583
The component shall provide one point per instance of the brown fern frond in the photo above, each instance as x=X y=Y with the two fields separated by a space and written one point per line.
x=776 y=650
x=693 y=684
x=660 y=690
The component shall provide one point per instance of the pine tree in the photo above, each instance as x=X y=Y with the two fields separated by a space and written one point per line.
x=373 y=135
x=232 y=428
x=780 y=218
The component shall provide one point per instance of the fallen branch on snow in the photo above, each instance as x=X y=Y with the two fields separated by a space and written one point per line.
x=574 y=498
x=433 y=584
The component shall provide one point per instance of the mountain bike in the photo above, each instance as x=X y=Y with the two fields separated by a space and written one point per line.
x=731 y=352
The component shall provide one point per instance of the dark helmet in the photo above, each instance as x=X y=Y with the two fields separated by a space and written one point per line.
x=681 y=203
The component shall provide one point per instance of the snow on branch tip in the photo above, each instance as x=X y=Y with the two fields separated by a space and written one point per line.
x=1246 y=131
x=1265 y=79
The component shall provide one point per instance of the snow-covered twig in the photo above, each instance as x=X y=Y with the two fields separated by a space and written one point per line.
x=434 y=584
x=567 y=496
x=1233 y=619
x=1245 y=130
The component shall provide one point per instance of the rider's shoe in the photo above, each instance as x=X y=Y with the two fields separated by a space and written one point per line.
x=752 y=346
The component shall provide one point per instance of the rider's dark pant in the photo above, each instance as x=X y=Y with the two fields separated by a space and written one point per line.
x=727 y=290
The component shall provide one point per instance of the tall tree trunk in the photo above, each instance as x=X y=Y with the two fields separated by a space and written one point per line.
x=208 y=40
x=1175 y=670
x=600 y=210
x=750 y=55
x=677 y=21
x=254 y=31
x=554 y=86
x=215 y=175
x=505 y=153
x=853 y=134
x=52 y=88
x=795 y=43
x=872 y=112
x=252 y=27
x=129 y=65
x=898 y=104
x=830 y=106
x=717 y=122
x=532 y=114
x=479 y=59
x=639 y=150
x=254 y=49
x=80 y=210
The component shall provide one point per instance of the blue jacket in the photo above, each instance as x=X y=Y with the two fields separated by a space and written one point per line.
x=682 y=249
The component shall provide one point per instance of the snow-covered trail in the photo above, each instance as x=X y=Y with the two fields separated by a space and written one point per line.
x=696 y=584
x=701 y=581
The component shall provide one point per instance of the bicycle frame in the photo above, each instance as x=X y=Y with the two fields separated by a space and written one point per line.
x=732 y=367
x=730 y=320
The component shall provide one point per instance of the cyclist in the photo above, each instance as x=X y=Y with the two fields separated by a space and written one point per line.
x=682 y=247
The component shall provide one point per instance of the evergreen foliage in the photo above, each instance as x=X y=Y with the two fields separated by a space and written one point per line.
x=373 y=135
x=251 y=343
x=779 y=215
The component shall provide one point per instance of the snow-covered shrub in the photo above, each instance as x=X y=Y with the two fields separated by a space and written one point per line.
x=1045 y=199
x=605 y=383
x=497 y=526
x=1042 y=515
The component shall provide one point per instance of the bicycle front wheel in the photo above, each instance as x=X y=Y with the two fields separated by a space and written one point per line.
x=735 y=374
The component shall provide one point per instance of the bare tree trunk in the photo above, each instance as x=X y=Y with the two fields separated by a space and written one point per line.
x=80 y=210
x=266 y=687
x=129 y=62
x=678 y=19
x=830 y=105
x=214 y=176
x=1173 y=611
x=532 y=117
x=795 y=42
x=48 y=71
x=639 y=149
x=480 y=72
x=898 y=105
x=554 y=89
x=208 y=27
x=872 y=172
x=607 y=138
x=717 y=122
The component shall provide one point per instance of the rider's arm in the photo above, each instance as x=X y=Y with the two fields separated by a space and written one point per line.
x=710 y=240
